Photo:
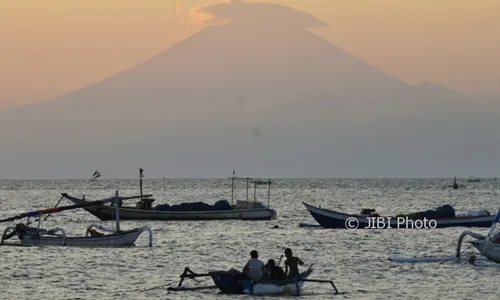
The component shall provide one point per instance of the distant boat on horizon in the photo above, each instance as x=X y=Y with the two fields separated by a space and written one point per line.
x=472 y=179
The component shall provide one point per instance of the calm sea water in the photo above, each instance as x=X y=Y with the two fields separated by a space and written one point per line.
x=356 y=260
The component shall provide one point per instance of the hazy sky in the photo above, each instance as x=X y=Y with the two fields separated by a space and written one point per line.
x=50 y=47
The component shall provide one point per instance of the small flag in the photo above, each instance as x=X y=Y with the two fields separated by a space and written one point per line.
x=141 y=172
x=95 y=175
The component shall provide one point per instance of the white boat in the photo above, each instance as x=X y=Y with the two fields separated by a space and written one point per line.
x=37 y=236
x=488 y=246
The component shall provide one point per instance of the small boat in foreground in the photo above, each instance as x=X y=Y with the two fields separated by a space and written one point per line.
x=37 y=236
x=444 y=216
x=231 y=283
x=222 y=210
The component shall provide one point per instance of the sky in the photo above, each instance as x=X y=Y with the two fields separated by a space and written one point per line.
x=52 y=47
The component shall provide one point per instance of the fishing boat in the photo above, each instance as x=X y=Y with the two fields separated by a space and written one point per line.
x=442 y=217
x=232 y=283
x=37 y=236
x=221 y=210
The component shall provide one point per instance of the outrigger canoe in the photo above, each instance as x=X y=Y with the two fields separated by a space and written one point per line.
x=334 y=219
x=231 y=283
x=37 y=236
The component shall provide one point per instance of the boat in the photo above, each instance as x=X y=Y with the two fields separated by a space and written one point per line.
x=229 y=282
x=221 y=210
x=473 y=179
x=444 y=216
x=455 y=185
x=487 y=245
x=37 y=236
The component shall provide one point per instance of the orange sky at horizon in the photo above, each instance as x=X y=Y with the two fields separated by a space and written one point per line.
x=51 y=47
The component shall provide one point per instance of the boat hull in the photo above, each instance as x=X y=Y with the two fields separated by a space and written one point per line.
x=332 y=219
x=489 y=250
x=115 y=240
x=230 y=284
x=107 y=213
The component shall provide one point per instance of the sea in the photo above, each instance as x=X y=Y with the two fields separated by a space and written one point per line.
x=356 y=260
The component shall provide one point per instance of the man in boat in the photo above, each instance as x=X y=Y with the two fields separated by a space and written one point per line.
x=254 y=268
x=291 y=264
x=274 y=272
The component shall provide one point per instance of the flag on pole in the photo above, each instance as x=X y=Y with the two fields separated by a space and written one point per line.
x=141 y=172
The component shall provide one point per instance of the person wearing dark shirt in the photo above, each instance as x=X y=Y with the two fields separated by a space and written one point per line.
x=274 y=272
x=291 y=264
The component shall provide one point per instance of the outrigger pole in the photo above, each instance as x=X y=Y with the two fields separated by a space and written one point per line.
x=63 y=208
x=190 y=274
x=321 y=281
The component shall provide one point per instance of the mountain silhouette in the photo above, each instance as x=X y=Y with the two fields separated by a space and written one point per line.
x=260 y=93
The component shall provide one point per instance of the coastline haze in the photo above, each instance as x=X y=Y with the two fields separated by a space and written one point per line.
x=263 y=98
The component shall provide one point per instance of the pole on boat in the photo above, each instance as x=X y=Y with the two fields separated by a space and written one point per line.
x=140 y=179
x=54 y=207
x=117 y=212
x=232 y=188
x=247 y=187
x=322 y=281
x=268 y=193
x=254 y=191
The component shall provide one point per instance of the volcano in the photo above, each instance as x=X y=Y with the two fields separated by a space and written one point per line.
x=259 y=93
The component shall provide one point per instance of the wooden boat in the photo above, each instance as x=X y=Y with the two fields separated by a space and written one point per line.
x=37 y=236
x=231 y=283
x=242 y=210
x=369 y=220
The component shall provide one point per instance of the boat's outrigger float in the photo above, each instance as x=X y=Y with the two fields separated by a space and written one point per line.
x=230 y=283
x=37 y=236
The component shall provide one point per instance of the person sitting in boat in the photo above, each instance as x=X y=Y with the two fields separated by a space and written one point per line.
x=254 y=268
x=291 y=264
x=274 y=272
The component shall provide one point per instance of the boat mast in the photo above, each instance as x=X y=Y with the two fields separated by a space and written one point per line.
x=140 y=179
x=254 y=191
x=232 y=187
x=247 y=187
x=268 y=192
x=117 y=212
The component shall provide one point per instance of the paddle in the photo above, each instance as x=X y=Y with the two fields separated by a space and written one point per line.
x=279 y=262
x=62 y=208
